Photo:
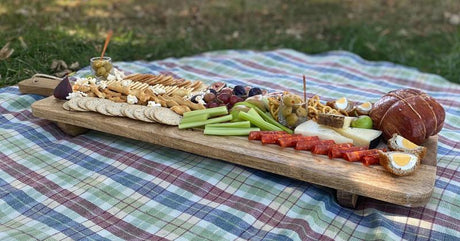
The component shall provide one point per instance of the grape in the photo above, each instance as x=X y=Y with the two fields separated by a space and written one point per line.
x=209 y=97
x=239 y=90
x=212 y=105
x=224 y=98
x=255 y=91
x=235 y=99
x=226 y=91
x=213 y=91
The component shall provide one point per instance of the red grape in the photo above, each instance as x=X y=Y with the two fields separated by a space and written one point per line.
x=224 y=98
x=226 y=91
x=235 y=99
x=212 y=105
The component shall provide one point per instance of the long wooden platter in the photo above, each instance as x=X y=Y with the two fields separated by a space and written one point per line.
x=346 y=177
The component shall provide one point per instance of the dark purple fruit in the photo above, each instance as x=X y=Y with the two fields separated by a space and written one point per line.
x=224 y=98
x=239 y=90
x=217 y=86
x=209 y=97
x=63 y=89
x=255 y=91
x=213 y=91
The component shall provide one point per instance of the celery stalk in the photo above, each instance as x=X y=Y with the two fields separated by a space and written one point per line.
x=254 y=113
x=217 y=111
x=240 y=124
x=208 y=121
x=263 y=125
x=267 y=117
x=194 y=118
x=229 y=131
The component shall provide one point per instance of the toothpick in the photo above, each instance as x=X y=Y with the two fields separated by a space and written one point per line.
x=107 y=40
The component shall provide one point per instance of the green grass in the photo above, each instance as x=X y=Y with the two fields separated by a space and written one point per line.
x=412 y=33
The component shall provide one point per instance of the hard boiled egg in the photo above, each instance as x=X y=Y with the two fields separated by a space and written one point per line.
x=399 y=143
x=399 y=163
x=364 y=108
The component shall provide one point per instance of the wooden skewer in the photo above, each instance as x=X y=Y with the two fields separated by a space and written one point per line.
x=304 y=89
x=107 y=40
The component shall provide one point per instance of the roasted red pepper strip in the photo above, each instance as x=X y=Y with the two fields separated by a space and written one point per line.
x=323 y=149
x=291 y=141
x=272 y=138
x=371 y=160
x=308 y=145
x=337 y=152
x=257 y=135
x=355 y=156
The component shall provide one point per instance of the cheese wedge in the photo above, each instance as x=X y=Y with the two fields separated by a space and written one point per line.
x=311 y=128
x=362 y=137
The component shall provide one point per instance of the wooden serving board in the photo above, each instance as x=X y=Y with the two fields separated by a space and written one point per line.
x=349 y=179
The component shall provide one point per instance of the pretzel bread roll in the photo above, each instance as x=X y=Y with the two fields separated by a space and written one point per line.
x=409 y=112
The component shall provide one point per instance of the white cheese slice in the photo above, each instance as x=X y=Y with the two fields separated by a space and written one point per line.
x=311 y=128
x=362 y=137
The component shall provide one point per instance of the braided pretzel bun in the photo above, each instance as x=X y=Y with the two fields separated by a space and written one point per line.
x=408 y=112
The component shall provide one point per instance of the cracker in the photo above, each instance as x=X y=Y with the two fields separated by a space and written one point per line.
x=66 y=106
x=115 y=108
x=92 y=104
x=139 y=114
x=167 y=116
x=148 y=112
x=128 y=111
x=73 y=104
x=102 y=109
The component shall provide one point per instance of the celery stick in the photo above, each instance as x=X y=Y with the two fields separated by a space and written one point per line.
x=240 y=124
x=229 y=131
x=268 y=118
x=208 y=121
x=217 y=111
x=254 y=113
x=194 y=118
x=263 y=125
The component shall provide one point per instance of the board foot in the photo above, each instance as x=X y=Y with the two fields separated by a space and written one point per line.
x=71 y=129
x=346 y=199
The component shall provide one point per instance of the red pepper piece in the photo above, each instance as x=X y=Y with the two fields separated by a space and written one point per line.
x=308 y=145
x=291 y=141
x=257 y=135
x=355 y=156
x=272 y=138
x=337 y=152
x=371 y=160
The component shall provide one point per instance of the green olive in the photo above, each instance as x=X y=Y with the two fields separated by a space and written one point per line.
x=292 y=119
x=108 y=66
x=301 y=112
x=288 y=100
x=98 y=63
x=100 y=71
x=287 y=110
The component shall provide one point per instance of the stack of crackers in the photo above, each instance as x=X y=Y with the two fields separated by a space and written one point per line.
x=164 y=90
x=107 y=107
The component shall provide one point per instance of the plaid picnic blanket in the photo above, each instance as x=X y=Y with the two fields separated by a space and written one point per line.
x=98 y=186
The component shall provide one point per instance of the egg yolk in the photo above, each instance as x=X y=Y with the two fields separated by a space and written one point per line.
x=401 y=159
x=341 y=100
x=366 y=105
x=408 y=144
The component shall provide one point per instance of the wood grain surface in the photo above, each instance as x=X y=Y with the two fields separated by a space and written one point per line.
x=38 y=86
x=355 y=178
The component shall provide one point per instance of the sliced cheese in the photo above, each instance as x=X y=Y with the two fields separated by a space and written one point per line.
x=362 y=137
x=336 y=121
x=311 y=128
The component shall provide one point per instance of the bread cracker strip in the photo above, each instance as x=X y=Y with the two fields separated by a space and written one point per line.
x=116 y=86
x=158 y=100
x=96 y=91
x=180 y=109
x=118 y=99
x=188 y=103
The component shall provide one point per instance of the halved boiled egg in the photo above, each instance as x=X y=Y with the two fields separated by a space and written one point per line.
x=399 y=143
x=399 y=163
x=364 y=108
x=342 y=104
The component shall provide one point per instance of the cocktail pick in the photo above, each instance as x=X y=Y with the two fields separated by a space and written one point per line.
x=107 y=40
x=304 y=89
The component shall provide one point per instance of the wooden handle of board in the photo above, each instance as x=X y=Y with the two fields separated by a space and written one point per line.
x=38 y=85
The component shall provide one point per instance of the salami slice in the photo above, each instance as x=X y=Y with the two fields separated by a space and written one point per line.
x=355 y=156
x=308 y=145
x=371 y=160
x=291 y=141
x=272 y=138
x=323 y=149
x=257 y=135
x=338 y=152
